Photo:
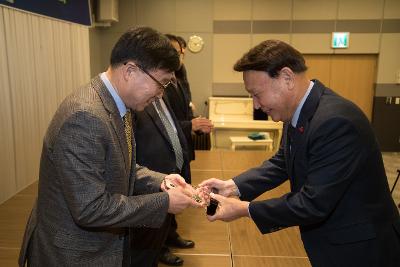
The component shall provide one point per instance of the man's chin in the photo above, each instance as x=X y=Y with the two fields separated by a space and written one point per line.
x=275 y=118
x=140 y=108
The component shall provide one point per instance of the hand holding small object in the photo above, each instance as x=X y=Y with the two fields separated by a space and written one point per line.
x=226 y=188
x=229 y=208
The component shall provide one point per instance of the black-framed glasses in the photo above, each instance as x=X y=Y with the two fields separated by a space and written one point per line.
x=162 y=86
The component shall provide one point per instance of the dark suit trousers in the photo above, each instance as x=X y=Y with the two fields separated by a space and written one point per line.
x=146 y=244
x=172 y=232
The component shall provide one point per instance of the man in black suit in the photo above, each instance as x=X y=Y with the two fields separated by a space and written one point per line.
x=180 y=98
x=339 y=195
x=161 y=146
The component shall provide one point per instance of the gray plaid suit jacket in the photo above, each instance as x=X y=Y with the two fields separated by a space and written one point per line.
x=87 y=194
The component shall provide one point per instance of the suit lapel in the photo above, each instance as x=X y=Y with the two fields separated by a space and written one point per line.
x=181 y=135
x=115 y=118
x=152 y=112
x=306 y=114
x=287 y=147
x=180 y=91
x=132 y=175
x=179 y=96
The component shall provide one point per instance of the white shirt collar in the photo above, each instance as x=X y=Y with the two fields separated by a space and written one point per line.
x=296 y=115
x=117 y=99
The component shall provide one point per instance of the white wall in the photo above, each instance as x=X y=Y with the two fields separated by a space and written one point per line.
x=42 y=60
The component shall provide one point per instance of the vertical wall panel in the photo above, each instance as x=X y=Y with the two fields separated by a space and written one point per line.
x=200 y=77
x=22 y=70
x=43 y=52
x=392 y=9
x=258 y=38
x=353 y=77
x=232 y=9
x=63 y=55
x=199 y=21
x=319 y=67
x=96 y=52
x=316 y=43
x=42 y=60
x=389 y=58
x=272 y=9
x=228 y=48
x=7 y=166
x=80 y=55
x=157 y=14
x=314 y=9
x=360 y=9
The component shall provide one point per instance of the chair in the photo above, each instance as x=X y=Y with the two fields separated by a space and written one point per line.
x=201 y=141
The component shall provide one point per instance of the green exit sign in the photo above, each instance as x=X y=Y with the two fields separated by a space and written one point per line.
x=340 y=39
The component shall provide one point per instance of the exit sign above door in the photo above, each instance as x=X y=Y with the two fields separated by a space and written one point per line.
x=340 y=39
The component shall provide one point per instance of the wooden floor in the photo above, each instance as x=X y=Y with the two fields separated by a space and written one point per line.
x=238 y=243
x=218 y=244
x=13 y=215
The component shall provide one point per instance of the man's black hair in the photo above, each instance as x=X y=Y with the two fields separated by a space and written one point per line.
x=146 y=47
x=271 y=56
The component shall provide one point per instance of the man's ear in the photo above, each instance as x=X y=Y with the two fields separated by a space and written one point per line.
x=288 y=77
x=128 y=70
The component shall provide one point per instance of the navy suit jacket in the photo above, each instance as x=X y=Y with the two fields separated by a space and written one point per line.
x=339 y=192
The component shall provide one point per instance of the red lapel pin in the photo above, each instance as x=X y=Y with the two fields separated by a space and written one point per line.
x=301 y=129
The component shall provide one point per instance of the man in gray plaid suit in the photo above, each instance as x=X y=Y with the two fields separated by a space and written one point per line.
x=90 y=188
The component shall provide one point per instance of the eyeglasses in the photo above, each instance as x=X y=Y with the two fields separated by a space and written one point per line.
x=162 y=86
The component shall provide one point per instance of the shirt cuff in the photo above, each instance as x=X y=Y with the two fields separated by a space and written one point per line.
x=236 y=191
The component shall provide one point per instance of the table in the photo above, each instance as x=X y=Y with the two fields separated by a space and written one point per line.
x=245 y=141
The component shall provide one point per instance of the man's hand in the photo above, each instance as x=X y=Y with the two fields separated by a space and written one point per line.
x=180 y=199
x=225 y=188
x=202 y=124
x=173 y=180
x=180 y=193
x=229 y=209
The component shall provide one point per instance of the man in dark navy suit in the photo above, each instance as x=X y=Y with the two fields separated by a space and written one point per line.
x=339 y=195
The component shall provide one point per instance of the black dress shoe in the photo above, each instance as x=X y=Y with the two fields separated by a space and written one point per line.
x=180 y=243
x=168 y=258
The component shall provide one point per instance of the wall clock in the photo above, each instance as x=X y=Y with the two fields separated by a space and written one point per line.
x=195 y=43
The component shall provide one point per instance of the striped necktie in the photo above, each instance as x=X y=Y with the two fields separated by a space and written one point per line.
x=128 y=133
x=173 y=136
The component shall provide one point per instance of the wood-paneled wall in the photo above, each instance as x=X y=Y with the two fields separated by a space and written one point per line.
x=42 y=60
x=351 y=76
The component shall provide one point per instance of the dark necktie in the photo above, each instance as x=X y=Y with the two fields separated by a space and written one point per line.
x=173 y=136
x=128 y=133
x=290 y=134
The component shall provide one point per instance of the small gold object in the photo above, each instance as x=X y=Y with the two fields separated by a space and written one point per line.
x=197 y=198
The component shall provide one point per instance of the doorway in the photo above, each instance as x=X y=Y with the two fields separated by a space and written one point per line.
x=351 y=76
